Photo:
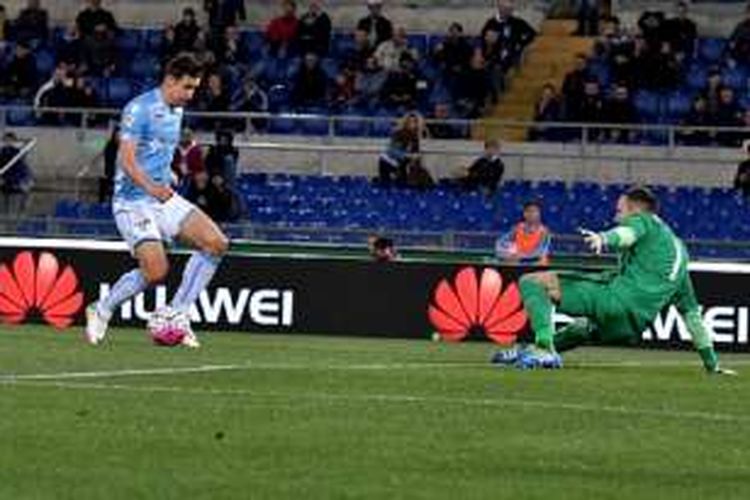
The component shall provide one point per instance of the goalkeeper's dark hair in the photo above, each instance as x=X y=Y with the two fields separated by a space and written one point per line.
x=643 y=197
x=182 y=65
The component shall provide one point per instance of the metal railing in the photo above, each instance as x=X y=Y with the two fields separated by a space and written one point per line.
x=477 y=242
x=584 y=134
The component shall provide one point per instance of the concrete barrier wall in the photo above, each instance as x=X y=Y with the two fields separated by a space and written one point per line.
x=62 y=153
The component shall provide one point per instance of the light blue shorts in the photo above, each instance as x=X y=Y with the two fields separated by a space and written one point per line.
x=151 y=220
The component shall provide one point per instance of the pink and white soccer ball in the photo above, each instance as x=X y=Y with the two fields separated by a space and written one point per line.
x=168 y=327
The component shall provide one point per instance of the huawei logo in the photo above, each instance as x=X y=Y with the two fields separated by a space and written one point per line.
x=39 y=287
x=469 y=305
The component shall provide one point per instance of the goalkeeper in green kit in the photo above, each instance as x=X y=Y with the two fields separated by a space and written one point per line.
x=614 y=307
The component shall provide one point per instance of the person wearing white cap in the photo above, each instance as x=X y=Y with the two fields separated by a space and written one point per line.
x=377 y=26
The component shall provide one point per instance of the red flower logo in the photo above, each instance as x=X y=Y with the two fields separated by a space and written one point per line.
x=30 y=286
x=470 y=305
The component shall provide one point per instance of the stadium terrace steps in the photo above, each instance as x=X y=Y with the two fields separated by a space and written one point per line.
x=547 y=60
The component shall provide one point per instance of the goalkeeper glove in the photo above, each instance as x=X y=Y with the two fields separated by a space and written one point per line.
x=595 y=241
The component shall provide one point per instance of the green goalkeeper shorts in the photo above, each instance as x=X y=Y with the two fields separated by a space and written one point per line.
x=591 y=295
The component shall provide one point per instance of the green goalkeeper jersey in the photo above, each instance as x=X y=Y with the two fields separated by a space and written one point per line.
x=652 y=263
x=653 y=273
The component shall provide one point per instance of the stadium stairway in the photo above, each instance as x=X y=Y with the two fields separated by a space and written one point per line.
x=547 y=60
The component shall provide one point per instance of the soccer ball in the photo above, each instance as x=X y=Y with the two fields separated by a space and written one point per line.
x=168 y=327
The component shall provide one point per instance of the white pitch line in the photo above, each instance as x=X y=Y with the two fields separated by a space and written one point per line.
x=401 y=399
x=136 y=372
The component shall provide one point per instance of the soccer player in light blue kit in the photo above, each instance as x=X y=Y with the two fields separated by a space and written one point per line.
x=147 y=211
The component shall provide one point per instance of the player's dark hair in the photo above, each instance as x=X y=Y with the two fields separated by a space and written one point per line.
x=643 y=197
x=182 y=65
x=532 y=203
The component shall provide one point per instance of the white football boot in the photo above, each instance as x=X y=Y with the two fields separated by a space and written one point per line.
x=96 y=325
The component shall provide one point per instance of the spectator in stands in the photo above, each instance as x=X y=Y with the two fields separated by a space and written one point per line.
x=375 y=24
x=70 y=49
x=188 y=157
x=572 y=89
x=223 y=13
x=60 y=72
x=403 y=152
x=344 y=89
x=186 y=33
x=529 y=242
x=714 y=85
x=107 y=181
x=253 y=100
x=390 y=52
x=739 y=42
x=697 y=117
x=742 y=178
x=680 y=31
x=231 y=51
x=214 y=98
x=438 y=127
x=311 y=83
x=100 y=52
x=588 y=17
x=496 y=59
x=547 y=109
x=381 y=249
x=514 y=33
x=314 y=33
x=400 y=87
x=32 y=25
x=487 y=171
x=728 y=115
x=473 y=88
x=619 y=109
x=453 y=54
x=5 y=27
x=64 y=90
x=651 y=25
x=18 y=180
x=591 y=108
x=369 y=84
x=20 y=76
x=658 y=67
x=210 y=195
x=93 y=16
x=281 y=32
x=222 y=159
x=356 y=57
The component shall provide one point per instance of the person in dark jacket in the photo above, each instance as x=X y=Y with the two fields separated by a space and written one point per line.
x=107 y=182
x=377 y=26
x=18 y=180
x=742 y=179
x=314 y=30
x=487 y=171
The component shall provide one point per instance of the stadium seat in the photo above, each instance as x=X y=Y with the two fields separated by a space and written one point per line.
x=45 y=63
x=119 y=91
x=129 y=41
x=711 y=49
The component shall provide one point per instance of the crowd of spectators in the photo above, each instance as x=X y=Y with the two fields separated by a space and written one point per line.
x=376 y=70
x=657 y=59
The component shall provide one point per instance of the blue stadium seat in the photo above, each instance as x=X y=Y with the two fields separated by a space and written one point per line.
x=678 y=104
x=119 y=91
x=21 y=116
x=711 y=49
x=697 y=76
x=45 y=62
x=735 y=78
x=152 y=40
x=647 y=104
x=418 y=42
x=144 y=66
x=129 y=41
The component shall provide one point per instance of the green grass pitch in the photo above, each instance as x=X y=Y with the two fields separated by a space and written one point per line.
x=299 y=417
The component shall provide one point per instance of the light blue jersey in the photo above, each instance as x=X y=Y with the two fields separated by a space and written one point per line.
x=155 y=128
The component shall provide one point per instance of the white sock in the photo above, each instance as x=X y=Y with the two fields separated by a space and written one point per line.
x=199 y=271
x=130 y=284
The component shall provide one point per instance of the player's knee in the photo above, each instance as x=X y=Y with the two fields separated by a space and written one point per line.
x=217 y=245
